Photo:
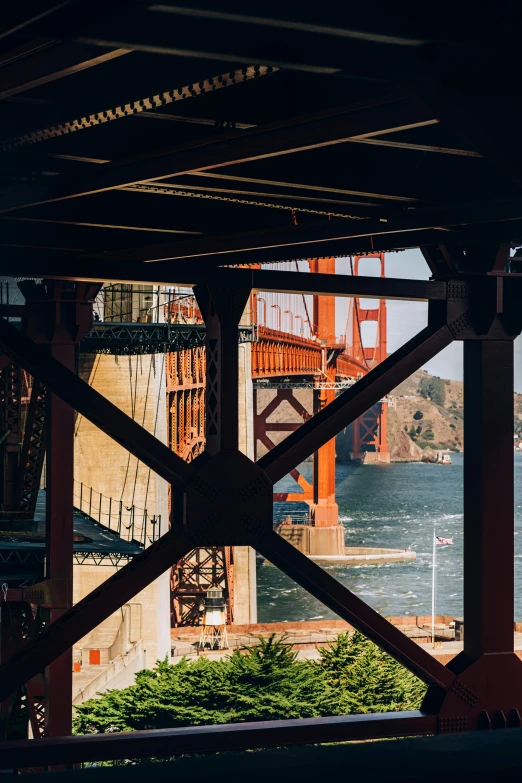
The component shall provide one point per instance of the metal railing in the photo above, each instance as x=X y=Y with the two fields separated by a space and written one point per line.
x=130 y=523
x=294 y=517
x=146 y=304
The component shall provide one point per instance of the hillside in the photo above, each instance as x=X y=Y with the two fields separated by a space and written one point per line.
x=428 y=413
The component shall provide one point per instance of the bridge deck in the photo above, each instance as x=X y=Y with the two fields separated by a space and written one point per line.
x=22 y=554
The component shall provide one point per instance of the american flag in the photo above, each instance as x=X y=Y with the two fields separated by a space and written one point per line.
x=443 y=541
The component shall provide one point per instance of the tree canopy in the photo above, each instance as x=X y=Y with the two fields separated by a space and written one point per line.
x=263 y=682
x=433 y=388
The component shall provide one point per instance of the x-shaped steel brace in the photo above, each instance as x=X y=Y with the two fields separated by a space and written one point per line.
x=227 y=498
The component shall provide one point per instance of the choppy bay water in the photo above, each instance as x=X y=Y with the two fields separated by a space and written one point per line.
x=395 y=505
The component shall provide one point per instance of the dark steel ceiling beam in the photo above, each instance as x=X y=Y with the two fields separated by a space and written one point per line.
x=307 y=238
x=173 y=186
x=300 y=186
x=51 y=64
x=281 y=138
x=55 y=221
x=137 y=108
x=378 y=22
x=18 y=16
x=259 y=279
x=401 y=145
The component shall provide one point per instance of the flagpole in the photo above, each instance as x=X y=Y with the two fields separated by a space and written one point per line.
x=433 y=589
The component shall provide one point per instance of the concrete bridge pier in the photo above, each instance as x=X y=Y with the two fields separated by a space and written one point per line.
x=136 y=384
x=245 y=589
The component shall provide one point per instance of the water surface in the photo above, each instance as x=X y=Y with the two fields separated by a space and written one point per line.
x=399 y=506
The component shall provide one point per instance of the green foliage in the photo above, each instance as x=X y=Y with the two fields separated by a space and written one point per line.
x=428 y=434
x=453 y=426
x=418 y=415
x=419 y=429
x=412 y=432
x=405 y=428
x=433 y=388
x=366 y=679
x=262 y=682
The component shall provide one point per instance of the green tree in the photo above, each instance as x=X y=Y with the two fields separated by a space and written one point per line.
x=419 y=430
x=418 y=415
x=412 y=433
x=432 y=388
x=428 y=434
x=366 y=679
x=263 y=682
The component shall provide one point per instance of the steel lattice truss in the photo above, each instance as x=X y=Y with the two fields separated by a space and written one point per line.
x=228 y=498
x=126 y=338
x=364 y=138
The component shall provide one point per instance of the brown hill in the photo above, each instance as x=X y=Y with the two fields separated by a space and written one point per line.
x=417 y=423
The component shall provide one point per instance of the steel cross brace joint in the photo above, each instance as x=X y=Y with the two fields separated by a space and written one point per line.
x=227 y=497
x=480 y=307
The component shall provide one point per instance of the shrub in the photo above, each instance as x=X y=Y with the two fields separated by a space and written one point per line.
x=262 y=682
x=432 y=389
x=428 y=434
x=418 y=415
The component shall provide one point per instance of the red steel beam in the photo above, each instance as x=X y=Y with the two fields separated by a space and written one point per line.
x=34 y=264
x=344 y=603
x=205 y=739
x=355 y=401
x=488 y=498
x=59 y=542
x=78 y=621
x=94 y=406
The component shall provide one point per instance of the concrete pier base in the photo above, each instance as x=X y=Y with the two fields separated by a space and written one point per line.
x=314 y=540
x=327 y=544
x=371 y=457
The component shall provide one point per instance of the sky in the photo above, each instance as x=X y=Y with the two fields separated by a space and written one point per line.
x=405 y=319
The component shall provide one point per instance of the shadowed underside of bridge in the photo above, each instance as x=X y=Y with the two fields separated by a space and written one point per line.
x=159 y=144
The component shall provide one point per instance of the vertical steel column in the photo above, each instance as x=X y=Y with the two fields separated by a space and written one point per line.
x=370 y=430
x=221 y=310
x=59 y=314
x=324 y=510
x=59 y=499
x=488 y=497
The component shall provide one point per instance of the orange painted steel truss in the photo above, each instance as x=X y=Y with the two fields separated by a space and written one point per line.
x=274 y=354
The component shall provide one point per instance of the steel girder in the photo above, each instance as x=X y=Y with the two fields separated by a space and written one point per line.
x=201 y=568
x=228 y=497
x=222 y=447
x=203 y=739
x=122 y=339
